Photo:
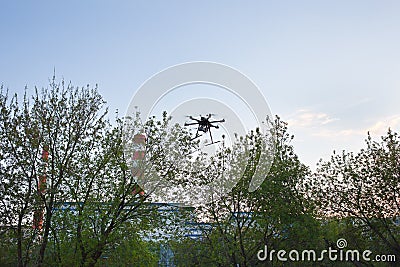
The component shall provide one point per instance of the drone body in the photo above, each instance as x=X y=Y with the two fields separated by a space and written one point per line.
x=204 y=125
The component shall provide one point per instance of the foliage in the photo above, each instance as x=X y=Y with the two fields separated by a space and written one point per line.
x=364 y=189
x=83 y=187
x=62 y=160
x=276 y=214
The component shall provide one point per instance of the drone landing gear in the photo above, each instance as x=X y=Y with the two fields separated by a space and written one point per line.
x=213 y=143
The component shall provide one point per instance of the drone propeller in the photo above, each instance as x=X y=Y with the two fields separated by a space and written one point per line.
x=209 y=115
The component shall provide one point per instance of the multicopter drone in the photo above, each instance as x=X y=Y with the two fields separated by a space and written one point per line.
x=204 y=125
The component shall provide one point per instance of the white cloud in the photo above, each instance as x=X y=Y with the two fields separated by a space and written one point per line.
x=378 y=128
x=308 y=118
x=318 y=123
x=382 y=126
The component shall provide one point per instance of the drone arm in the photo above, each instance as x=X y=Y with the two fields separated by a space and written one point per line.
x=190 y=117
x=223 y=120
x=191 y=123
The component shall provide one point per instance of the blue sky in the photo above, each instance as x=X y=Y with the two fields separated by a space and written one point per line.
x=329 y=68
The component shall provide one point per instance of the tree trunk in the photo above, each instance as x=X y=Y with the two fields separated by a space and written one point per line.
x=45 y=238
x=19 y=241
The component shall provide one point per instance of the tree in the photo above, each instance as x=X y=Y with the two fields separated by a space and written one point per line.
x=62 y=122
x=65 y=176
x=277 y=214
x=364 y=188
x=19 y=170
